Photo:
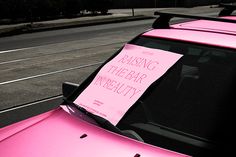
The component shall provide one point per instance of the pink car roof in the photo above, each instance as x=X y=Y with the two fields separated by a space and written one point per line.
x=213 y=33
x=211 y=26
x=57 y=133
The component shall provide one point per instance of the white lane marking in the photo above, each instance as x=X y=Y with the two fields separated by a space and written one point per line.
x=14 y=61
x=30 y=104
x=14 y=50
x=24 y=59
x=50 y=73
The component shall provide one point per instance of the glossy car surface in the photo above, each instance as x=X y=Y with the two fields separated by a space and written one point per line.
x=57 y=133
x=187 y=110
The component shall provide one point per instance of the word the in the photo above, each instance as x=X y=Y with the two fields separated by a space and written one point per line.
x=130 y=75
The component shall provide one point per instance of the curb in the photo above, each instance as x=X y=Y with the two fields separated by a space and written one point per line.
x=37 y=27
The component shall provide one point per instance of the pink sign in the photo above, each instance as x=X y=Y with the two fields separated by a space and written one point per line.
x=123 y=80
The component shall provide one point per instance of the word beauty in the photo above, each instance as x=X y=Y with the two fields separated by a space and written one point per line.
x=116 y=87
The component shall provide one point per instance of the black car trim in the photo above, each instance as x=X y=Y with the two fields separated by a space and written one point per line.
x=227 y=10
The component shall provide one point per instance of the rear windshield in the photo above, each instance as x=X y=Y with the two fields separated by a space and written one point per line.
x=194 y=96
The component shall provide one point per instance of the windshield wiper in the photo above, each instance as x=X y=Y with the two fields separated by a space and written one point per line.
x=102 y=122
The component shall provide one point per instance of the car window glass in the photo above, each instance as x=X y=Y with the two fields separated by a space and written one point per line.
x=194 y=95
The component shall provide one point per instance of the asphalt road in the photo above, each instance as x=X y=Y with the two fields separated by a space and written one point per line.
x=34 y=66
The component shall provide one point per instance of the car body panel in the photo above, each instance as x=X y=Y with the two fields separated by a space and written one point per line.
x=12 y=129
x=60 y=134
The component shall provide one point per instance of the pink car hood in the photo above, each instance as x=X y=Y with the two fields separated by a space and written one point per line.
x=58 y=134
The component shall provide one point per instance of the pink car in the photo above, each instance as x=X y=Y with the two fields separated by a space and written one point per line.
x=168 y=92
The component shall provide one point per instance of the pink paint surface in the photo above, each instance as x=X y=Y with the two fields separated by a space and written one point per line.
x=17 y=127
x=122 y=81
x=58 y=134
x=211 y=26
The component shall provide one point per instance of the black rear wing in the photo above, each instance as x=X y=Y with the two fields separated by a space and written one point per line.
x=227 y=10
x=162 y=22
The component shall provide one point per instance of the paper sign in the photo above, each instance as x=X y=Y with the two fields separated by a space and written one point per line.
x=123 y=80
